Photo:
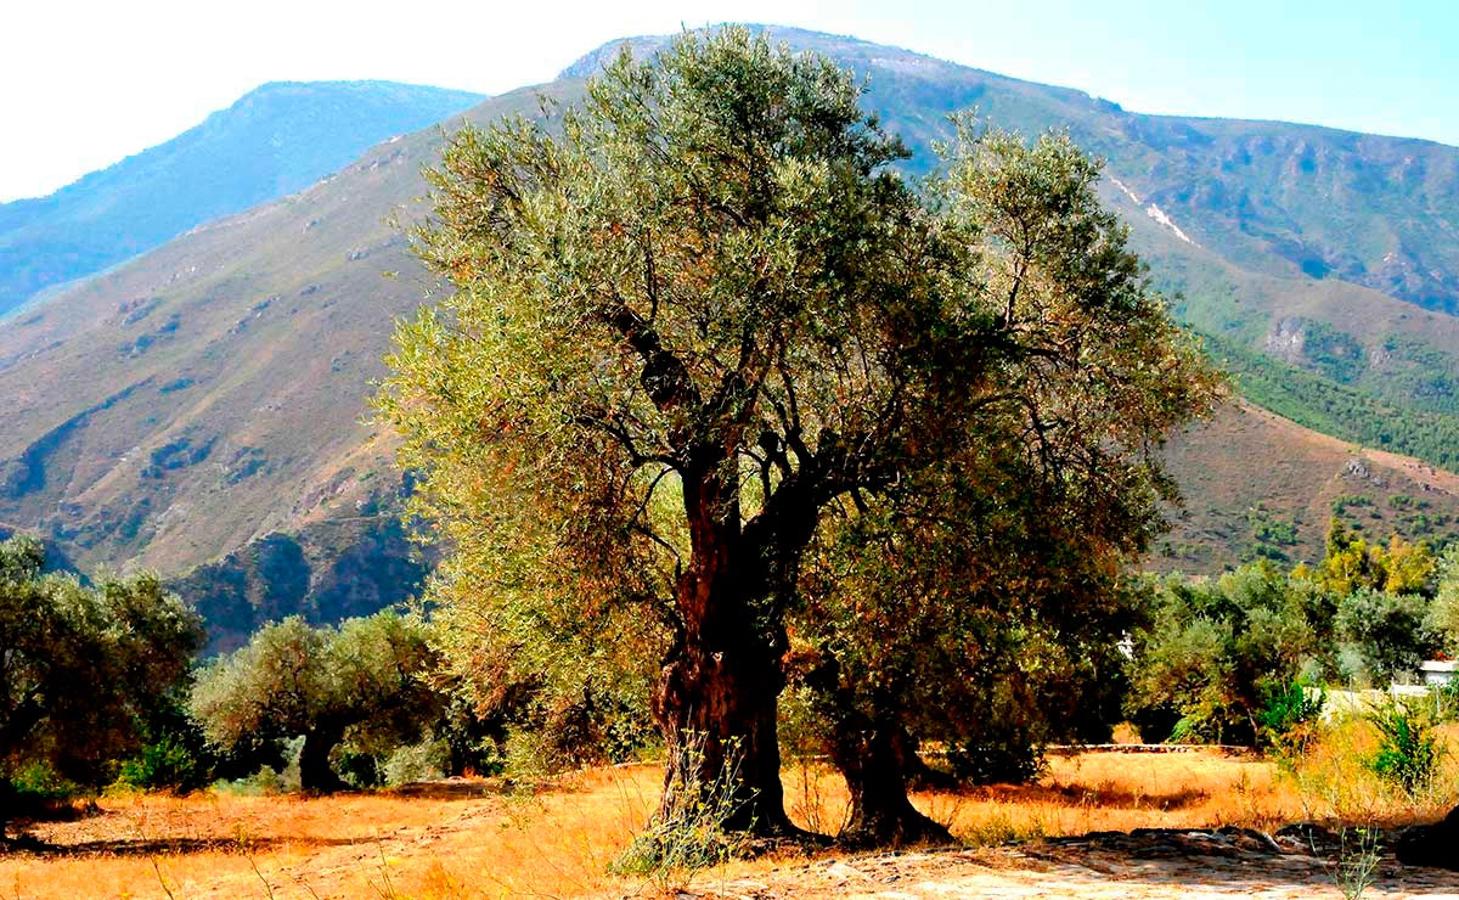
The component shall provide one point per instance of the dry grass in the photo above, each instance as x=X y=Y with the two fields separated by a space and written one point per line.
x=1098 y=792
x=557 y=841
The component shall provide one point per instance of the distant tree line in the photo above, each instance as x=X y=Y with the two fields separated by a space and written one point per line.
x=1213 y=656
x=100 y=685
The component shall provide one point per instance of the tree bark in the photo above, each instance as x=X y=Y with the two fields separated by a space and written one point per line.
x=874 y=762
x=717 y=706
x=718 y=693
x=315 y=773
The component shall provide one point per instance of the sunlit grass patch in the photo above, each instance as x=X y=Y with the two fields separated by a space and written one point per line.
x=558 y=838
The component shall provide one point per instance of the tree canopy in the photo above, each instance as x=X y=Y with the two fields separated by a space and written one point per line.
x=701 y=316
x=81 y=667
x=295 y=680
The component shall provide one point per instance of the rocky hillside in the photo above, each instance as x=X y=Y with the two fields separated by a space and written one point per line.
x=204 y=405
x=277 y=139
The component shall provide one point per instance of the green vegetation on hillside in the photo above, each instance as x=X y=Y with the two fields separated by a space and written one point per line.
x=1340 y=410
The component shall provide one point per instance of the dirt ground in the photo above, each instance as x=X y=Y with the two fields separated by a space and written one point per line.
x=1202 y=826
x=1185 y=865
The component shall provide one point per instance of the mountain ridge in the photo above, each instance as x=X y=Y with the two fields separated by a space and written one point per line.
x=591 y=63
x=272 y=141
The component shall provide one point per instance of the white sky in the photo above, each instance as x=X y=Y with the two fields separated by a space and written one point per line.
x=83 y=84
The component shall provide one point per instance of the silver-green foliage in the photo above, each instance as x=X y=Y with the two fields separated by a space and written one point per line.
x=369 y=677
x=82 y=666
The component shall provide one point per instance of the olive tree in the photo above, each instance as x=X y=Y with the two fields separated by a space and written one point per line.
x=1214 y=651
x=295 y=680
x=82 y=667
x=978 y=602
x=690 y=318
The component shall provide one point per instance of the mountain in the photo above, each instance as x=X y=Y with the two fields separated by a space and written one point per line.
x=274 y=141
x=1259 y=485
x=1312 y=258
x=201 y=409
x=1272 y=197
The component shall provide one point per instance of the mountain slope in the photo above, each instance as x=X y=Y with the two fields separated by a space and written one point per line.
x=1256 y=484
x=273 y=141
x=204 y=404
x=1272 y=197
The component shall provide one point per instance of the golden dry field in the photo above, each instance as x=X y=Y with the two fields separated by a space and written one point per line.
x=469 y=839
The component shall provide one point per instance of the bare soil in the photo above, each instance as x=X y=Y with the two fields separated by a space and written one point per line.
x=1145 y=864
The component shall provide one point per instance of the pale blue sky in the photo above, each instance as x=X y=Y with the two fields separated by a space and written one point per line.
x=84 y=83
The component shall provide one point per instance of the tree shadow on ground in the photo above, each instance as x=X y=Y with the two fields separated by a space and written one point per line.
x=454 y=789
x=30 y=846
x=1103 y=796
x=1295 y=856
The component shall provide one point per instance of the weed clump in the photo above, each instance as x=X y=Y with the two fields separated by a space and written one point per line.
x=688 y=834
x=1289 y=720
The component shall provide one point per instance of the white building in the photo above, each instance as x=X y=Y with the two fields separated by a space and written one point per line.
x=1438 y=673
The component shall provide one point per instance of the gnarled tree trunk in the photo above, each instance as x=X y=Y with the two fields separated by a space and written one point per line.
x=315 y=773
x=717 y=706
x=873 y=757
x=719 y=689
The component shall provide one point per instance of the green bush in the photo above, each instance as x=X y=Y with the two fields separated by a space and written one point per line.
x=1286 y=721
x=37 y=784
x=1408 y=753
x=169 y=762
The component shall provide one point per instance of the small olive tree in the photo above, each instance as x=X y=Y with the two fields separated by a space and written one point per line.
x=369 y=674
x=81 y=668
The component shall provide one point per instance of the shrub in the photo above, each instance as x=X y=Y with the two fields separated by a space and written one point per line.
x=266 y=782
x=169 y=762
x=1359 y=855
x=1408 y=751
x=1288 y=718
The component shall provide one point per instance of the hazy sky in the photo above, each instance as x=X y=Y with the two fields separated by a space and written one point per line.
x=84 y=84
